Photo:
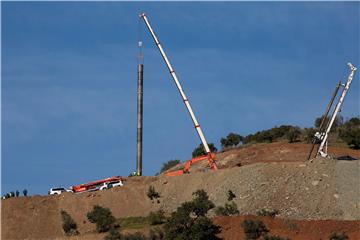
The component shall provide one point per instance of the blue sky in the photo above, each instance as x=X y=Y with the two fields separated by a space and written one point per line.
x=69 y=80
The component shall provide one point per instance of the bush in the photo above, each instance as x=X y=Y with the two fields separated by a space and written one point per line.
x=113 y=235
x=152 y=194
x=310 y=135
x=25 y=192
x=68 y=224
x=254 y=229
x=230 y=195
x=268 y=213
x=156 y=218
x=190 y=221
x=102 y=217
x=200 y=150
x=336 y=236
x=350 y=133
x=169 y=164
x=293 y=134
x=231 y=140
x=337 y=123
x=156 y=234
x=229 y=209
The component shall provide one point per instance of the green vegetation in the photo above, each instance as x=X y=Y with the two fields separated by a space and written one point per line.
x=336 y=236
x=230 y=209
x=102 y=217
x=169 y=164
x=254 y=229
x=190 y=220
x=152 y=194
x=230 y=195
x=350 y=133
x=268 y=213
x=200 y=151
x=156 y=218
x=68 y=224
x=231 y=140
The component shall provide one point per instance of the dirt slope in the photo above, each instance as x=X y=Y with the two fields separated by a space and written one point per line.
x=278 y=178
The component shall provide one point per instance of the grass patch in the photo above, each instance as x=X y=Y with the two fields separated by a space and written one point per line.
x=133 y=222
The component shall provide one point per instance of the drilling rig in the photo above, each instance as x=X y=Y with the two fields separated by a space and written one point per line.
x=325 y=126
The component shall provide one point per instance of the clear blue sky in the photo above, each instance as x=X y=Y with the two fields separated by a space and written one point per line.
x=69 y=80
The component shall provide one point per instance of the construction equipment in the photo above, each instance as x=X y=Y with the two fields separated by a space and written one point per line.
x=95 y=185
x=209 y=156
x=323 y=133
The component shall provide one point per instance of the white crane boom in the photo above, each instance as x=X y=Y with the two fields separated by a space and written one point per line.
x=322 y=148
x=178 y=85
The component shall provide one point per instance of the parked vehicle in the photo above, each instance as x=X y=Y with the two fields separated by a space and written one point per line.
x=56 y=191
x=111 y=184
x=95 y=185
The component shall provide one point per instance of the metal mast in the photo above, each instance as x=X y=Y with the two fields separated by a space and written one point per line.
x=322 y=148
x=140 y=69
x=325 y=117
x=177 y=83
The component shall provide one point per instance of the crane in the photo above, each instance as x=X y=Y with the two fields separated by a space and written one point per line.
x=323 y=133
x=209 y=156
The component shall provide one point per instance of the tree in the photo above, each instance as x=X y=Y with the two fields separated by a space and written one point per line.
x=169 y=164
x=25 y=192
x=293 y=134
x=68 y=224
x=350 y=133
x=102 y=217
x=17 y=193
x=190 y=221
x=337 y=122
x=200 y=151
x=232 y=140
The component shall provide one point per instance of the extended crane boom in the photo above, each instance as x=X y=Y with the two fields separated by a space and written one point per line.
x=324 y=136
x=181 y=91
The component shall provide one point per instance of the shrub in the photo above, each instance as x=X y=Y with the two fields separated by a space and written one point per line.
x=200 y=151
x=169 y=164
x=293 y=134
x=338 y=122
x=230 y=195
x=113 y=235
x=336 y=236
x=25 y=192
x=17 y=193
x=156 y=234
x=156 y=218
x=102 y=217
x=229 y=209
x=254 y=229
x=350 y=133
x=152 y=194
x=231 y=140
x=68 y=224
x=268 y=213
x=310 y=135
x=189 y=221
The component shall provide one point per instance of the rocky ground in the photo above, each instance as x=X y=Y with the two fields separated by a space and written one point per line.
x=266 y=176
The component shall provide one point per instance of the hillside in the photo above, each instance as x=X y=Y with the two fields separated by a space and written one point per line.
x=271 y=176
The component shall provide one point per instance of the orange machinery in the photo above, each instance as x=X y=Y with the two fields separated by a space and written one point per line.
x=209 y=157
x=93 y=185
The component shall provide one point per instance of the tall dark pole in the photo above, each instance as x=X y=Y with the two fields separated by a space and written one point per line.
x=139 y=119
